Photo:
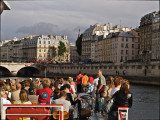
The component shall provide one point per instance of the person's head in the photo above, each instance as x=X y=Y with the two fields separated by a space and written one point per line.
x=13 y=88
x=56 y=84
x=18 y=86
x=61 y=81
x=63 y=94
x=117 y=81
x=125 y=87
x=57 y=91
x=8 y=88
x=110 y=81
x=23 y=96
x=13 y=82
x=27 y=83
x=70 y=79
x=99 y=72
x=80 y=72
x=8 y=81
x=46 y=83
x=31 y=91
x=3 y=93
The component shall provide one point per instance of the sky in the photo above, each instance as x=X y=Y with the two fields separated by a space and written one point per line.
x=59 y=17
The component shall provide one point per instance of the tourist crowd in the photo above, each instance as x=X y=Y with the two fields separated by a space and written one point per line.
x=66 y=92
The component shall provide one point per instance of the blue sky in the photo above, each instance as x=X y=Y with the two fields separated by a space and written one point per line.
x=67 y=16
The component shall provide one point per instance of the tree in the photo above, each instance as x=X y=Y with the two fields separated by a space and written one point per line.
x=79 y=44
x=61 y=48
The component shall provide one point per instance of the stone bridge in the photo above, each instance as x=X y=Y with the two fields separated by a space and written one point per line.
x=14 y=69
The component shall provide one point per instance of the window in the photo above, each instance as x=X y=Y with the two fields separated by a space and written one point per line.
x=44 y=42
x=48 y=42
x=126 y=51
x=39 y=42
x=44 y=50
x=122 y=45
x=132 y=39
x=132 y=52
x=126 y=45
x=126 y=39
x=132 y=45
x=122 y=38
x=132 y=57
x=126 y=58
x=121 y=58
x=40 y=50
x=121 y=51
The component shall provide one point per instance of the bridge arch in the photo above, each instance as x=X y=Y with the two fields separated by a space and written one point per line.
x=28 y=71
x=4 y=71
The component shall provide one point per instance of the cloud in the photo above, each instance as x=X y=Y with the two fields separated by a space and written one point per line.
x=39 y=28
x=63 y=16
x=49 y=28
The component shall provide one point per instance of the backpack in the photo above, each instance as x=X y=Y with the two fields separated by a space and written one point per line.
x=108 y=106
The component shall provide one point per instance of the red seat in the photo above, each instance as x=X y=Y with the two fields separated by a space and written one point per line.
x=24 y=110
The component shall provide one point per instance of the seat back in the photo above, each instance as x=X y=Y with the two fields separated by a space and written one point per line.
x=57 y=113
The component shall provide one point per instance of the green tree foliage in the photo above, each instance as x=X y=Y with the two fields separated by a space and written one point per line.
x=79 y=44
x=61 y=48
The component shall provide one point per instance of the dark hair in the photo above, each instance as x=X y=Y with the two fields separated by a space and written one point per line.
x=63 y=87
x=56 y=91
x=56 y=83
x=27 y=83
x=67 y=86
x=63 y=93
x=80 y=72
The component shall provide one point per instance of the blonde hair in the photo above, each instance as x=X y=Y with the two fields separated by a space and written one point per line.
x=3 y=92
x=46 y=83
x=110 y=78
x=13 y=88
x=8 y=88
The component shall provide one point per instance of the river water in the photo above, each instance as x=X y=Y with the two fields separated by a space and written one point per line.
x=145 y=106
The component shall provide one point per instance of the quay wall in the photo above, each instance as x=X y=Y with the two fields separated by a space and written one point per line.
x=138 y=74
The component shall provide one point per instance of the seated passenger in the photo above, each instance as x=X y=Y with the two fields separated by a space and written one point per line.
x=32 y=96
x=4 y=97
x=62 y=100
x=23 y=98
x=56 y=94
x=45 y=93
x=15 y=94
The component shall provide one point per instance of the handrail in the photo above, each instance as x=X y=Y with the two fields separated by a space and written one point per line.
x=5 y=106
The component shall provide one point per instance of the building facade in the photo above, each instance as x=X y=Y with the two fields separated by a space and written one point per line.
x=156 y=36
x=148 y=29
x=74 y=57
x=124 y=46
x=90 y=36
x=35 y=48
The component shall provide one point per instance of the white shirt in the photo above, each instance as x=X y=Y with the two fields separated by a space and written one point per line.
x=66 y=104
x=95 y=82
x=114 y=90
x=5 y=101
x=74 y=91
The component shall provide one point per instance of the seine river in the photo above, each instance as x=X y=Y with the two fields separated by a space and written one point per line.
x=145 y=106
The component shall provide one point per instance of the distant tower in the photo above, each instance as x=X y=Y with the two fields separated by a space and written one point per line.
x=79 y=33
